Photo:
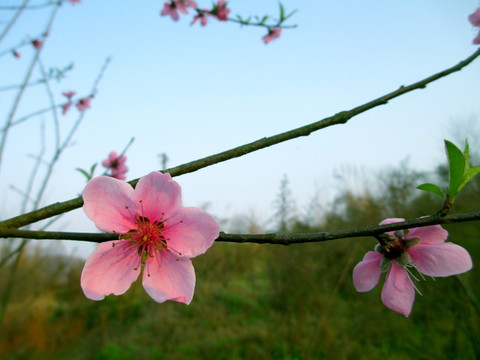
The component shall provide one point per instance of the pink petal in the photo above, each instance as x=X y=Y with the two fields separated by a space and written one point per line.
x=398 y=292
x=166 y=9
x=159 y=195
x=107 y=201
x=475 y=18
x=367 y=272
x=190 y=231
x=166 y=277
x=112 y=156
x=476 y=41
x=391 y=221
x=109 y=270
x=441 y=260
x=433 y=234
x=181 y=7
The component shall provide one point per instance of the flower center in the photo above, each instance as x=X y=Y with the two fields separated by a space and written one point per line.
x=394 y=246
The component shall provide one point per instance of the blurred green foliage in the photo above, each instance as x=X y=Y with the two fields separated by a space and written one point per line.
x=260 y=301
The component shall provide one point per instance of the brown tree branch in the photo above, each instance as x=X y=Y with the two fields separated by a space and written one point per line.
x=276 y=239
x=340 y=118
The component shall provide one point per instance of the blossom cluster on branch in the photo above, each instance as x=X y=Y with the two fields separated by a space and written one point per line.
x=221 y=12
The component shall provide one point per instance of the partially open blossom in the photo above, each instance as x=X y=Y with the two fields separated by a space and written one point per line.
x=475 y=21
x=16 y=54
x=476 y=41
x=171 y=8
x=422 y=249
x=73 y=2
x=202 y=15
x=155 y=233
x=37 y=43
x=475 y=17
x=273 y=33
x=117 y=165
x=221 y=11
x=69 y=94
x=83 y=104
x=65 y=107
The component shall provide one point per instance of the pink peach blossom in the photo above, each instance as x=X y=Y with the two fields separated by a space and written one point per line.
x=202 y=15
x=37 y=43
x=155 y=233
x=73 y=2
x=423 y=249
x=476 y=41
x=273 y=33
x=117 y=165
x=83 y=104
x=69 y=94
x=65 y=107
x=174 y=6
x=475 y=18
x=221 y=10
x=16 y=54
x=170 y=8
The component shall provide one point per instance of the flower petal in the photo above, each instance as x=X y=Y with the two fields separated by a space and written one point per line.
x=107 y=201
x=433 y=234
x=109 y=270
x=441 y=260
x=190 y=231
x=391 y=221
x=167 y=277
x=159 y=195
x=398 y=292
x=367 y=272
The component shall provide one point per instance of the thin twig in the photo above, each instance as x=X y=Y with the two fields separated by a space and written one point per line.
x=14 y=19
x=340 y=118
x=22 y=89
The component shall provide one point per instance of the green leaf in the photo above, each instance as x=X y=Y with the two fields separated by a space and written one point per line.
x=87 y=175
x=282 y=12
x=456 y=165
x=469 y=175
x=92 y=170
x=289 y=15
x=434 y=189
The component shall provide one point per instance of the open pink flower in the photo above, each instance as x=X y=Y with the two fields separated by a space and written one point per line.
x=83 y=104
x=273 y=33
x=202 y=15
x=221 y=11
x=174 y=6
x=117 y=165
x=73 y=2
x=156 y=233
x=423 y=249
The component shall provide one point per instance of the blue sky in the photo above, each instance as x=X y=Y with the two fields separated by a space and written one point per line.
x=192 y=91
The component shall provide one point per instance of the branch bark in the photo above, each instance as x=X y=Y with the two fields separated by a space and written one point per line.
x=276 y=239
